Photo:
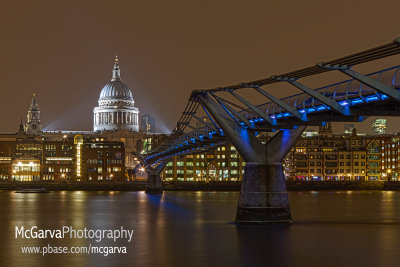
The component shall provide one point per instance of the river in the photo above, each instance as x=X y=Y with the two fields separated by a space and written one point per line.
x=330 y=228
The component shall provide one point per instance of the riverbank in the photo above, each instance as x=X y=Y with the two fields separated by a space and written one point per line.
x=199 y=186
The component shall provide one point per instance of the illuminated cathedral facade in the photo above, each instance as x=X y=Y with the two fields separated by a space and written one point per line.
x=116 y=110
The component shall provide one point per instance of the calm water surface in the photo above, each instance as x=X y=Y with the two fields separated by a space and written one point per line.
x=343 y=228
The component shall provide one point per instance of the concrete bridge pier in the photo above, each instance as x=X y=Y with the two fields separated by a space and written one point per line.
x=154 y=183
x=263 y=197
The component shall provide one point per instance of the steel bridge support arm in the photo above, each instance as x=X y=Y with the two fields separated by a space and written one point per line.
x=245 y=141
x=263 y=196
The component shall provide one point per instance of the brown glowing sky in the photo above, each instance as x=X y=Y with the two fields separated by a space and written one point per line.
x=64 y=49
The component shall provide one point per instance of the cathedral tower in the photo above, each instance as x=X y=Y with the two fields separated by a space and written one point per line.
x=33 y=124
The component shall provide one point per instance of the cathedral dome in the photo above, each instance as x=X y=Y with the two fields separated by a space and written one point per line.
x=116 y=109
x=116 y=89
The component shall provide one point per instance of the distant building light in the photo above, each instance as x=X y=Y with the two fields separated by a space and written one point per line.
x=58 y=158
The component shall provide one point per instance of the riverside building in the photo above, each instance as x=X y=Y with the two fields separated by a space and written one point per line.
x=60 y=157
x=102 y=154
x=323 y=156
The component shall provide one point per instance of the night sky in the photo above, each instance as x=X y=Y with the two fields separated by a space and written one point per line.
x=64 y=50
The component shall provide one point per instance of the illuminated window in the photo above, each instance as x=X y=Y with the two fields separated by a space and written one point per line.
x=78 y=141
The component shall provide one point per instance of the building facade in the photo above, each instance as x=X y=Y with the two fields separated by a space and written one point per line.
x=221 y=164
x=73 y=158
x=147 y=124
x=317 y=157
x=378 y=126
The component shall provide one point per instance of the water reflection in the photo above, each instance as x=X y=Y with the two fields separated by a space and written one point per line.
x=336 y=228
x=263 y=245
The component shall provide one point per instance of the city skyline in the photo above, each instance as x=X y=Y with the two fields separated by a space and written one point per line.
x=73 y=63
x=337 y=127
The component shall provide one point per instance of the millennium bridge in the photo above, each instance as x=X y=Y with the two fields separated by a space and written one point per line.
x=233 y=116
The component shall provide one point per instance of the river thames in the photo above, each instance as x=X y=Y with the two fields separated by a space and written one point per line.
x=330 y=228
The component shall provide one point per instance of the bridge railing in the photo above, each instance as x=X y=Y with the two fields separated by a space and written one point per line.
x=348 y=92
